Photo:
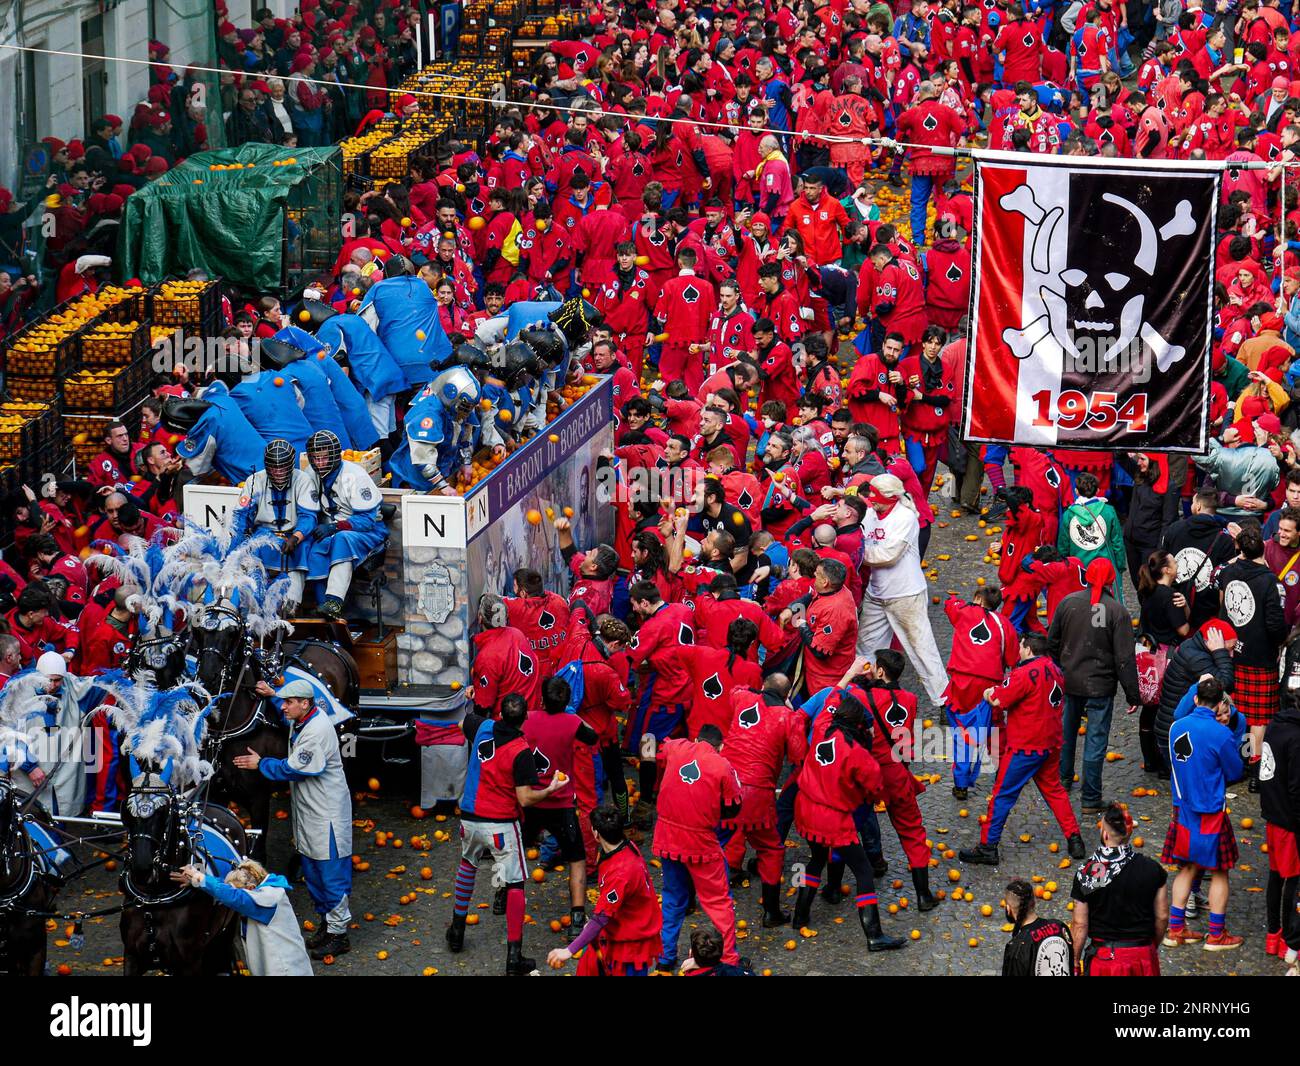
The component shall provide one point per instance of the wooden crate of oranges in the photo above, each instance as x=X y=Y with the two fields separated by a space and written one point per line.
x=113 y=343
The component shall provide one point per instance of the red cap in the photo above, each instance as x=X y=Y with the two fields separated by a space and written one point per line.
x=76 y=150
x=1269 y=423
x=113 y=120
x=1100 y=573
x=156 y=165
x=56 y=145
x=406 y=100
x=1271 y=320
x=1281 y=83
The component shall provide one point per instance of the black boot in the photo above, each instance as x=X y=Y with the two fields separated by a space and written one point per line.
x=869 y=917
x=803 y=906
x=921 y=882
x=333 y=944
x=959 y=793
x=832 y=887
x=577 y=919
x=318 y=936
x=879 y=867
x=1074 y=845
x=980 y=855
x=456 y=934
x=773 y=915
x=517 y=963
x=499 y=902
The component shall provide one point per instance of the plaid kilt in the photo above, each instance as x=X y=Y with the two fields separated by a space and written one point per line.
x=1257 y=694
x=1226 y=852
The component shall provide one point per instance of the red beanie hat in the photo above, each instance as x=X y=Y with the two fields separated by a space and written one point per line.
x=141 y=152
x=156 y=165
x=56 y=145
x=1225 y=629
x=76 y=150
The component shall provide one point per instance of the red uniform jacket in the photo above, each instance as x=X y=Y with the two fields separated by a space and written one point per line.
x=653 y=654
x=714 y=673
x=504 y=662
x=984 y=647
x=544 y=620
x=697 y=784
x=947 y=283
x=931 y=414
x=837 y=777
x=829 y=639
x=869 y=379
x=1022 y=535
x=1031 y=699
x=625 y=895
x=683 y=308
x=761 y=737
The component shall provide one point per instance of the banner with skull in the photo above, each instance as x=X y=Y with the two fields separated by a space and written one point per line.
x=1092 y=304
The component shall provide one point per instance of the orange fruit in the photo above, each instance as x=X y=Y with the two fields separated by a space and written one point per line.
x=471 y=919
x=790 y=945
x=915 y=934
x=64 y=969
x=373 y=784
x=426 y=874
x=555 y=925
x=1247 y=823
x=534 y=516
x=954 y=875
x=417 y=812
x=539 y=875
x=381 y=955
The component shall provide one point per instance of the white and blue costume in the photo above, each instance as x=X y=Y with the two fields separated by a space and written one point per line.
x=322 y=814
x=442 y=431
x=282 y=511
x=348 y=530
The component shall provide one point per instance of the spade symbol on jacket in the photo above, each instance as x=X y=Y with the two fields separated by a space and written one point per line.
x=980 y=633
x=712 y=687
x=1056 y=697
x=896 y=715
x=545 y=620
x=749 y=717
x=1183 y=747
x=543 y=763
x=825 y=752
x=486 y=749
x=1053 y=477
x=684 y=634
x=745 y=501
x=525 y=664
x=690 y=772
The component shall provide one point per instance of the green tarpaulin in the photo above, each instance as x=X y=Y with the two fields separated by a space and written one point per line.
x=232 y=223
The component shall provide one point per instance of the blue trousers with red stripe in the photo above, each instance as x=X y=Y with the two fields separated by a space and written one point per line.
x=1015 y=771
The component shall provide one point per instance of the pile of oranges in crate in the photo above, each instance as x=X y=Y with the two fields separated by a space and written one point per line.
x=110 y=343
x=13 y=417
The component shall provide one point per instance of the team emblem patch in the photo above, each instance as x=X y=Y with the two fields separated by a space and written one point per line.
x=486 y=750
x=690 y=773
x=749 y=717
x=824 y=753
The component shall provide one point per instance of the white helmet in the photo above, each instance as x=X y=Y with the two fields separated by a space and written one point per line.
x=52 y=664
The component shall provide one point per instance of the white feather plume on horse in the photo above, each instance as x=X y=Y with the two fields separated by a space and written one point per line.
x=23 y=701
x=158 y=726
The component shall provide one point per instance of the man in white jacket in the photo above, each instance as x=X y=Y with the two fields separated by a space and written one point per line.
x=895 y=598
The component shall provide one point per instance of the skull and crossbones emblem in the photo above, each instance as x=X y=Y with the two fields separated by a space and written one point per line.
x=1095 y=304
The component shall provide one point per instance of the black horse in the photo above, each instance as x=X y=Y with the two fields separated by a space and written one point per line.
x=165 y=925
x=29 y=883
x=230 y=667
